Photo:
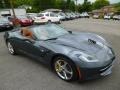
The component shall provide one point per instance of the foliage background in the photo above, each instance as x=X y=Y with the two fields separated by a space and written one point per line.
x=39 y=5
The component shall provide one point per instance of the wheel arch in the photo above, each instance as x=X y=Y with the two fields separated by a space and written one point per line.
x=60 y=55
x=78 y=73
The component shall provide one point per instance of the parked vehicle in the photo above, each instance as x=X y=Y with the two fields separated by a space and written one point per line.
x=62 y=16
x=21 y=20
x=96 y=16
x=107 y=17
x=5 y=24
x=77 y=15
x=31 y=15
x=84 y=15
x=73 y=16
x=116 y=17
x=73 y=56
x=68 y=16
x=47 y=17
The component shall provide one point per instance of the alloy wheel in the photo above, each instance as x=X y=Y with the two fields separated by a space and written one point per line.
x=10 y=48
x=63 y=70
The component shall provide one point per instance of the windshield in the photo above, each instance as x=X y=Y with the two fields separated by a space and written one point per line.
x=4 y=20
x=48 y=31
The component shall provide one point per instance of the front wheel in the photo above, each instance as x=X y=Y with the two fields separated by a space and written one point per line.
x=49 y=22
x=59 y=22
x=11 y=48
x=65 y=69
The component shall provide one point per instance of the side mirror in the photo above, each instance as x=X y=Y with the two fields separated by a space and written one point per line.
x=70 y=32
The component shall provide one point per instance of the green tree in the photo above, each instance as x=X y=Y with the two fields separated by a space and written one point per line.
x=68 y=4
x=44 y=4
x=39 y=5
x=100 y=3
x=117 y=7
x=72 y=6
x=85 y=7
x=4 y=4
x=22 y=2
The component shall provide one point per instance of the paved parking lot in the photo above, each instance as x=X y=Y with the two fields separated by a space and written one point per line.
x=23 y=73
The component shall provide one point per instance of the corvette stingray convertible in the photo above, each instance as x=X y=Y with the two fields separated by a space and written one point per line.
x=72 y=55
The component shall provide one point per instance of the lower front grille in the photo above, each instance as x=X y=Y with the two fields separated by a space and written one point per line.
x=105 y=68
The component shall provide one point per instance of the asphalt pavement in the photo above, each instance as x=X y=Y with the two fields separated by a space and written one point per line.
x=22 y=73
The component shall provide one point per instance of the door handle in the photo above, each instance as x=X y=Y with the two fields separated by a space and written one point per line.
x=27 y=41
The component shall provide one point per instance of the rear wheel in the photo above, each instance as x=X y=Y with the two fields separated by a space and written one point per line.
x=65 y=69
x=11 y=48
x=59 y=22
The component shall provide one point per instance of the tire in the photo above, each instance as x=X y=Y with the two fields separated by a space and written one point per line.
x=67 y=67
x=59 y=22
x=11 y=48
x=49 y=22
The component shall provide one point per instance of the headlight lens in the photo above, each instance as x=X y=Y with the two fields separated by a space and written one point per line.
x=87 y=58
x=110 y=52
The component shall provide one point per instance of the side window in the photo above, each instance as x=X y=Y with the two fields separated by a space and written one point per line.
x=40 y=15
x=47 y=15
x=52 y=14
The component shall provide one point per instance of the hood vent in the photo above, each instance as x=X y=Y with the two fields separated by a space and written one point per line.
x=91 y=41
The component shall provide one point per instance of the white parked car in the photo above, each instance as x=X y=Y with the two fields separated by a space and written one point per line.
x=108 y=17
x=116 y=17
x=84 y=15
x=96 y=16
x=31 y=15
x=62 y=16
x=47 y=17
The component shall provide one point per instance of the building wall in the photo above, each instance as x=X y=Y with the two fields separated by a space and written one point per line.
x=9 y=12
x=105 y=10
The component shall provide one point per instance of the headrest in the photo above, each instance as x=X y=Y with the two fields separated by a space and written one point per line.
x=26 y=32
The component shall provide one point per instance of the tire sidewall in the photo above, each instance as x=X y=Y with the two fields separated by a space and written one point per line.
x=8 y=42
x=75 y=74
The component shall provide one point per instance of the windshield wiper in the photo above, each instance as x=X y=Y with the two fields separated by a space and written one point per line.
x=50 y=39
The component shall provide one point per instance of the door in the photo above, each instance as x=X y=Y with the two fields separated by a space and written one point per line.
x=53 y=17
x=31 y=48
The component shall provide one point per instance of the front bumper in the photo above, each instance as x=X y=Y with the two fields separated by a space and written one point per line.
x=94 y=73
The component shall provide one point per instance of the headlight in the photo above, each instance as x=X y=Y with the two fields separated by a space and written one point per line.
x=87 y=58
x=110 y=52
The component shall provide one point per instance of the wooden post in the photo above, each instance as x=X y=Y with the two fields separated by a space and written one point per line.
x=16 y=23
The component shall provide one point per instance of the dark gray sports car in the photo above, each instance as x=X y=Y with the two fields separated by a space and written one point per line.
x=73 y=56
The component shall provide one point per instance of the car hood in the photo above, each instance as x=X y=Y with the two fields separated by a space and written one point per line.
x=91 y=44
